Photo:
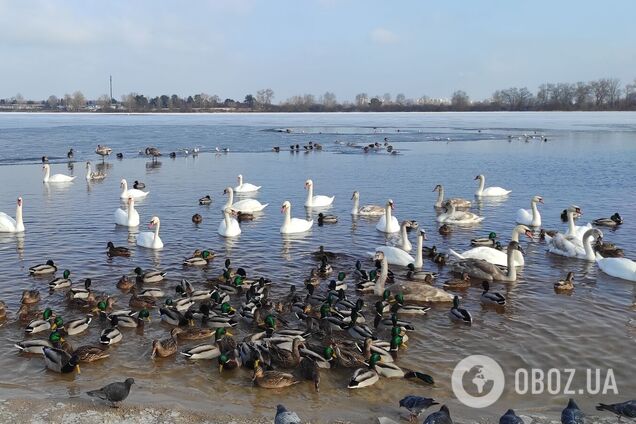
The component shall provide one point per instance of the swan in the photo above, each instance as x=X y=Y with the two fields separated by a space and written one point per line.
x=575 y=231
x=530 y=217
x=127 y=218
x=93 y=176
x=494 y=256
x=453 y=216
x=478 y=268
x=247 y=205
x=617 y=267
x=458 y=202
x=229 y=227
x=489 y=191
x=388 y=223
x=378 y=288
x=316 y=201
x=10 y=225
x=55 y=178
x=245 y=187
x=398 y=255
x=366 y=210
x=561 y=245
x=293 y=225
x=133 y=192
x=149 y=239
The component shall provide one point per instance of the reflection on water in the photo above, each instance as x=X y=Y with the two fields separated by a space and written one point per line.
x=594 y=327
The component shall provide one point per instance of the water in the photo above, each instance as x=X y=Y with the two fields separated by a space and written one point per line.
x=588 y=160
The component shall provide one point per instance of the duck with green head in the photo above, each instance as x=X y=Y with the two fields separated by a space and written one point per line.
x=61 y=282
x=43 y=324
x=149 y=277
x=43 y=269
x=366 y=376
x=60 y=361
x=485 y=241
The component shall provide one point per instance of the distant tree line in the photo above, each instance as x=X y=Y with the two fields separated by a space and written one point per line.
x=601 y=94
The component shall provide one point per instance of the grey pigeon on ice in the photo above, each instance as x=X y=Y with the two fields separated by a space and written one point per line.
x=283 y=416
x=510 y=418
x=624 y=409
x=416 y=404
x=113 y=392
x=440 y=417
x=572 y=414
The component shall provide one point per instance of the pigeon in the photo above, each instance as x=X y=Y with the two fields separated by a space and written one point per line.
x=625 y=409
x=416 y=404
x=440 y=417
x=510 y=418
x=113 y=392
x=572 y=414
x=283 y=416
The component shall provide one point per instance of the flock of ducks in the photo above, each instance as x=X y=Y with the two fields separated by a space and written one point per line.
x=303 y=334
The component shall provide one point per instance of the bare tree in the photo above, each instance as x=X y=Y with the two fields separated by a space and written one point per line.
x=265 y=96
x=52 y=102
x=104 y=102
x=460 y=100
x=400 y=99
x=328 y=100
x=386 y=98
x=362 y=99
x=78 y=101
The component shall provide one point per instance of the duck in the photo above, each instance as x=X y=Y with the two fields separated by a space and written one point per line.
x=293 y=225
x=309 y=370
x=316 y=201
x=90 y=353
x=613 y=221
x=166 y=347
x=566 y=284
x=60 y=361
x=133 y=192
x=29 y=297
x=366 y=376
x=494 y=255
x=149 y=277
x=244 y=216
x=151 y=240
x=246 y=205
x=485 y=241
x=81 y=292
x=201 y=258
x=202 y=351
x=622 y=268
x=445 y=229
x=326 y=219
x=120 y=156
x=489 y=191
x=491 y=298
x=366 y=210
x=229 y=226
x=111 y=335
x=61 y=282
x=243 y=187
x=117 y=250
x=46 y=322
x=43 y=269
x=458 y=202
x=608 y=250
x=453 y=216
x=34 y=346
x=271 y=379
x=132 y=321
x=92 y=175
x=124 y=283
x=197 y=218
x=205 y=200
x=103 y=151
x=479 y=268
x=73 y=327
x=458 y=283
x=10 y=225
x=3 y=311
x=55 y=178
x=532 y=217
x=388 y=223
x=459 y=314
x=138 y=185
x=141 y=302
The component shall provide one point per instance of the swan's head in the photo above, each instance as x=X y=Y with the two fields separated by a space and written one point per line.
x=437 y=187
x=527 y=231
x=575 y=209
x=123 y=183
x=154 y=221
x=19 y=201
x=479 y=177
x=309 y=183
x=88 y=164
x=379 y=256
x=228 y=190
x=355 y=195
x=423 y=234
x=537 y=199
x=240 y=178
x=285 y=206
x=230 y=211
x=131 y=201
x=390 y=204
x=513 y=245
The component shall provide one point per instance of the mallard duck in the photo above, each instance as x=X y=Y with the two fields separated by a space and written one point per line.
x=149 y=277
x=565 y=285
x=364 y=377
x=445 y=229
x=81 y=293
x=414 y=275
x=229 y=361
x=371 y=347
x=125 y=283
x=89 y=353
x=201 y=259
x=205 y=200
x=152 y=292
x=132 y=321
x=60 y=361
x=608 y=250
x=29 y=297
x=343 y=356
x=61 y=282
x=491 y=298
x=73 y=327
x=309 y=370
x=3 y=310
x=202 y=351
x=197 y=218
x=244 y=216
x=403 y=309
x=33 y=346
x=543 y=233
x=166 y=347
x=180 y=305
x=322 y=253
x=612 y=221
x=138 y=185
x=111 y=335
x=325 y=268
x=326 y=219
x=43 y=324
x=285 y=358
x=141 y=302
x=339 y=284
x=459 y=314
x=173 y=317
x=272 y=379
x=195 y=333
x=484 y=241
x=43 y=269
x=117 y=250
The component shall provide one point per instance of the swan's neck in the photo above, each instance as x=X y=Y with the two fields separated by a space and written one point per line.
x=131 y=210
x=387 y=217
x=226 y=217
x=380 y=282
x=124 y=187
x=47 y=173
x=535 y=212
x=482 y=183
x=440 y=197
x=230 y=199
x=287 y=220
x=419 y=263
x=89 y=171
x=512 y=270
x=587 y=245
x=19 y=225
x=405 y=237
x=356 y=205
x=451 y=209
x=310 y=195
x=157 y=232
x=240 y=180
x=516 y=232
x=571 y=227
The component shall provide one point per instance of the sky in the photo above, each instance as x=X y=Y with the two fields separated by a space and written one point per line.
x=236 y=47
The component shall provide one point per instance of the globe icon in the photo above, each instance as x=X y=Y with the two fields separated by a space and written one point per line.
x=478 y=381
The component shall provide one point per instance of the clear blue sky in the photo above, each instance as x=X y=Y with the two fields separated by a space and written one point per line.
x=235 y=47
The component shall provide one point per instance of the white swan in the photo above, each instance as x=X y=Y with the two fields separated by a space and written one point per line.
x=388 y=223
x=293 y=225
x=617 y=267
x=489 y=191
x=127 y=218
x=576 y=231
x=531 y=216
x=93 y=176
x=55 y=178
x=366 y=210
x=10 y=225
x=229 y=227
x=148 y=239
x=480 y=269
x=133 y=192
x=247 y=205
x=245 y=187
x=453 y=216
x=398 y=255
x=378 y=287
x=316 y=201
x=458 y=202
x=494 y=256
x=561 y=245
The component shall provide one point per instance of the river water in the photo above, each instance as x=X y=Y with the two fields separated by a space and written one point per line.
x=589 y=160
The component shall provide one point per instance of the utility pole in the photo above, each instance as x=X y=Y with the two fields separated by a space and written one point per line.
x=111 y=89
